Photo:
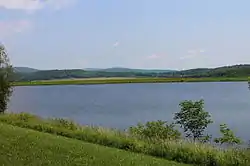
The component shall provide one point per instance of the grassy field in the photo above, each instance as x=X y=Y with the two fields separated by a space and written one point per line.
x=21 y=147
x=179 y=151
x=117 y=80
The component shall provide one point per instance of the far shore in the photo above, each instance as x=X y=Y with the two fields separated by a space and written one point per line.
x=124 y=80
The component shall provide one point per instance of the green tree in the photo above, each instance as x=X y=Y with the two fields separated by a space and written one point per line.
x=193 y=118
x=228 y=137
x=205 y=138
x=6 y=72
x=155 y=130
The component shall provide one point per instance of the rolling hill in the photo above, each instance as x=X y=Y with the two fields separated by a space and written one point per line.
x=25 y=69
x=242 y=70
x=29 y=74
x=121 y=69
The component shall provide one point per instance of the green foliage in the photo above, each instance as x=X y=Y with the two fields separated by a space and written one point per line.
x=205 y=138
x=228 y=137
x=242 y=70
x=68 y=124
x=26 y=117
x=190 y=153
x=193 y=118
x=5 y=76
x=155 y=130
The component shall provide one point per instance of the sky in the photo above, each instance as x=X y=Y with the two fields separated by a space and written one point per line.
x=159 y=34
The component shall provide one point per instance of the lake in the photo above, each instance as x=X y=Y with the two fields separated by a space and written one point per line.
x=122 y=105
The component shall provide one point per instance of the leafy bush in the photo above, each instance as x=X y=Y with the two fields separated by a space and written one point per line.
x=68 y=124
x=228 y=137
x=155 y=130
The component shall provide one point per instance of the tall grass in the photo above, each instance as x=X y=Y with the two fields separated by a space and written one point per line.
x=181 y=151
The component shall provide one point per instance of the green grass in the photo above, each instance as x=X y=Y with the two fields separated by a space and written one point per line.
x=180 y=151
x=21 y=147
x=127 y=80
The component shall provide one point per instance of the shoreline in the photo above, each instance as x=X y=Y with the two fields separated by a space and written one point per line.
x=95 y=81
x=176 y=150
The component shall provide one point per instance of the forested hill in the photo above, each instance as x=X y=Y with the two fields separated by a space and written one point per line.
x=122 y=69
x=226 y=71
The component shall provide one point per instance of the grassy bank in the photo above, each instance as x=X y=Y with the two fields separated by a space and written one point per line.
x=127 y=80
x=27 y=147
x=179 y=151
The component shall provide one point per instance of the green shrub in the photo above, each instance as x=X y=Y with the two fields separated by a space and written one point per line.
x=68 y=124
x=155 y=130
x=228 y=137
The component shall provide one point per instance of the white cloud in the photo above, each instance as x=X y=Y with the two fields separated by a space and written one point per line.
x=192 y=53
x=202 y=50
x=59 y=4
x=153 y=56
x=116 y=44
x=187 y=57
x=8 y=28
x=21 y=4
x=195 y=51
x=32 y=5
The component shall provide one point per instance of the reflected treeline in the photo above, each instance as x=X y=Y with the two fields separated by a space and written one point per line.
x=248 y=85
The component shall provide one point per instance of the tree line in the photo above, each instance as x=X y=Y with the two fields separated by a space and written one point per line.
x=232 y=71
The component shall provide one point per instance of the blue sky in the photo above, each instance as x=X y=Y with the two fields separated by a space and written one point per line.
x=160 y=34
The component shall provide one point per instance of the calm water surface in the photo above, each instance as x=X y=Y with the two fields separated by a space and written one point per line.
x=122 y=105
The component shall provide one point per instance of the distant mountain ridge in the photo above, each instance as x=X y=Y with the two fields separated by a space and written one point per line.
x=113 y=69
x=30 y=74
x=121 y=69
x=25 y=69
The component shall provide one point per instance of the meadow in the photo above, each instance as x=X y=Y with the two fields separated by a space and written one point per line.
x=123 y=80
x=21 y=146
